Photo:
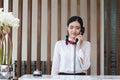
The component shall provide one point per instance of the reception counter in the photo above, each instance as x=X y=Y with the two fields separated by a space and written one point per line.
x=68 y=77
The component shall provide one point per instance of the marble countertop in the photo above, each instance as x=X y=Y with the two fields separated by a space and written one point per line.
x=68 y=77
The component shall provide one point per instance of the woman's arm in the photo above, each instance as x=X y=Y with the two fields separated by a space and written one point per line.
x=56 y=60
x=84 y=56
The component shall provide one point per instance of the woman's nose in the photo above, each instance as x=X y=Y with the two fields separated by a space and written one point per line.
x=74 y=29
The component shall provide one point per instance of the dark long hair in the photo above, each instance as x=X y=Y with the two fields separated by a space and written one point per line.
x=80 y=21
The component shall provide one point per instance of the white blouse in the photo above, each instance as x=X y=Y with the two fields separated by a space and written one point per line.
x=63 y=59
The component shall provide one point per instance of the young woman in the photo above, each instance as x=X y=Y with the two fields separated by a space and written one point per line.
x=72 y=55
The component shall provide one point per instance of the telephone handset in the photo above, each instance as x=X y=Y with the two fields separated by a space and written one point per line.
x=81 y=33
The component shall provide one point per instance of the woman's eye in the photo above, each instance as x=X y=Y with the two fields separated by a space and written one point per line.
x=77 y=28
x=71 y=27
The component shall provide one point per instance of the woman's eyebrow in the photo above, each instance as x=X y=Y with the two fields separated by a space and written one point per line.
x=77 y=26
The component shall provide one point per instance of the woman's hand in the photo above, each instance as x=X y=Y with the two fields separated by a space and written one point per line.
x=80 y=40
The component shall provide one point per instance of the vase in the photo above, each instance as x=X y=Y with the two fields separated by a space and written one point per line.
x=6 y=71
x=6 y=68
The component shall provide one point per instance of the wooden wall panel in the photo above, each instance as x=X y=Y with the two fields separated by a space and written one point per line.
x=118 y=37
x=29 y=37
x=49 y=38
x=10 y=8
x=89 y=27
x=19 y=45
x=39 y=35
x=98 y=36
x=108 y=36
x=68 y=9
x=78 y=7
x=1 y=3
x=59 y=19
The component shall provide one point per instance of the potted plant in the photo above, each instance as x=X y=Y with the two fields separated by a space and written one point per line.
x=7 y=21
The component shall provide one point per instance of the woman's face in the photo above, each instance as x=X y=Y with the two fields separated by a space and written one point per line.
x=74 y=29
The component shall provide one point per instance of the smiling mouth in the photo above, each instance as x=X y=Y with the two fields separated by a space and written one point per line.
x=74 y=34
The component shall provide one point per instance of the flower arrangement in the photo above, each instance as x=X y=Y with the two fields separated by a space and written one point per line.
x=7 y=21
